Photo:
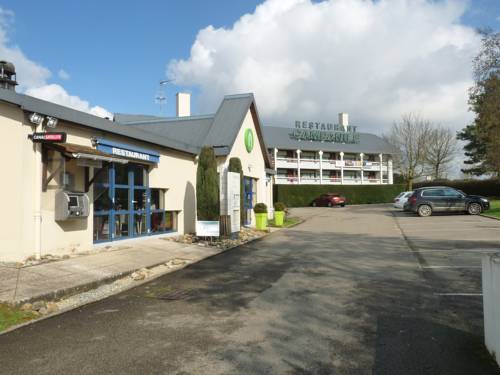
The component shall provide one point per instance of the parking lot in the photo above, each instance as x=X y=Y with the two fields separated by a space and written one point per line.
x=353 y=290
x=448 y=249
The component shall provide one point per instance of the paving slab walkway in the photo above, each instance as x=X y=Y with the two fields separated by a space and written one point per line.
x=54 y=279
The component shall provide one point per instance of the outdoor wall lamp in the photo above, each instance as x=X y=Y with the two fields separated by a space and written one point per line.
x=36 y=118
x=51 y=122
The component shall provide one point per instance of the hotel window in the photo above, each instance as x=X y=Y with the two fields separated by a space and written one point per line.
x=161 y=219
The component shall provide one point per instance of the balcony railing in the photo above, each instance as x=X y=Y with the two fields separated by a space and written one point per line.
x=283 y=180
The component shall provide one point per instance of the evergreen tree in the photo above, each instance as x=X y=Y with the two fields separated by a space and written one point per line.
x=483 y=135
x=207 y=186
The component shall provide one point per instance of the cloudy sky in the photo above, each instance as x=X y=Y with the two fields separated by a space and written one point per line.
x=303 y=59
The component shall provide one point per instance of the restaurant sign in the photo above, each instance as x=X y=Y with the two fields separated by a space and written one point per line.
x=127 y=151
x=326 y=132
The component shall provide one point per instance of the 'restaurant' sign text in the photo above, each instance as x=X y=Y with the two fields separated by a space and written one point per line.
x=326 y=132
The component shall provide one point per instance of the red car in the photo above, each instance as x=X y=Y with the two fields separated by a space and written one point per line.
x=329 y=200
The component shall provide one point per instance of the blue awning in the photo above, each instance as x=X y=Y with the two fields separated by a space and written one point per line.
x=127 y=151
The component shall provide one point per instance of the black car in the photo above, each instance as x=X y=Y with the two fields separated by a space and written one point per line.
x=424 y=201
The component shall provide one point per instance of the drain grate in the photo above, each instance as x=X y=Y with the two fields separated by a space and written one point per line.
x=177 y=295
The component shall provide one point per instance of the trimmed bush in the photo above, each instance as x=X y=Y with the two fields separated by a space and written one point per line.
x=279 y=206
x=235 y=166
x=207 y=186
x=487 y=188
x=303 y=195
x=260 y=208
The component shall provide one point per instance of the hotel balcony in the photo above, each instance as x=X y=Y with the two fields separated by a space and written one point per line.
x=327 y=164
x=286 y=180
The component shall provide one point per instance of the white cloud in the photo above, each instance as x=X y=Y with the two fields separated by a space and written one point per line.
x=63 y=74
x=34 y=78
x=57 y=94
x=305 y=60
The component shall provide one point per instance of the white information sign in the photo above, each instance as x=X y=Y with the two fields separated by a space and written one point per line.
x=233 y=200
x=207 y=228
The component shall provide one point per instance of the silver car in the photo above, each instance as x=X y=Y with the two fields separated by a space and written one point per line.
x=401 y=199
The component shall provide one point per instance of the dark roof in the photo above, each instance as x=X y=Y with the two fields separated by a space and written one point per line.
x=278 y=137
x=219 y=130
x=124 y=118
x=31 y=104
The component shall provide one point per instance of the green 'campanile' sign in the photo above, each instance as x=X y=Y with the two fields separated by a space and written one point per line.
x=249 y=140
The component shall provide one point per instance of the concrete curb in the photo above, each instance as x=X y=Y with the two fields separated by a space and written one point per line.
x=490 y=217
x=126 y=288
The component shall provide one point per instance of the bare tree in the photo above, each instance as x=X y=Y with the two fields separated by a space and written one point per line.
x=440 y=149
x=409 y=136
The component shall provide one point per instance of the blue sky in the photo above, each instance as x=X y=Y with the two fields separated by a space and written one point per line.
x=115 y=52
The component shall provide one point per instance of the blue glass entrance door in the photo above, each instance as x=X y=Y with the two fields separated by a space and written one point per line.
x=249 y=197
x=121 y=202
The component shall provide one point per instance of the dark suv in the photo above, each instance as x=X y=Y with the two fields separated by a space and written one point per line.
x=427 y=200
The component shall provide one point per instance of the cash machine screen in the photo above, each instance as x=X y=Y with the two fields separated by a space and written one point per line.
x=73 y=202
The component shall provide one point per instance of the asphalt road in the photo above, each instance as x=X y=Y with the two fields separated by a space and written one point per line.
x=346 y=292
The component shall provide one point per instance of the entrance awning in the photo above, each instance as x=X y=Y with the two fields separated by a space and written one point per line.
x=74 y=151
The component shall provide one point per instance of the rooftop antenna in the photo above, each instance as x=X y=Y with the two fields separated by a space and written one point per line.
x=160 y=97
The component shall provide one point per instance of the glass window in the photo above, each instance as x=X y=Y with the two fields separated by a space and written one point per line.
x=433 y=193
x=121 y=199
x=121 y=225
x=140 y=174
x=102 y=202
x=452 y=193
x=157 y=199
x=121 y=174
x=140 y=224
x=140 y=198
x=101 y=175
x=101 y=227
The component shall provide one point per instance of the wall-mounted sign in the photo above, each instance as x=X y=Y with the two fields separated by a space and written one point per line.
x=249 y=140
x=127 y=151
x=49 y=137
x=326 y=132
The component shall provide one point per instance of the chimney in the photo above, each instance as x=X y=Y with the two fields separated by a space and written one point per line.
x=7 y=76
x=183 y=104
x=344 y=120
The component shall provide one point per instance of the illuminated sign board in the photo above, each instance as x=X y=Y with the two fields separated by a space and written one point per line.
x=49 y=137
x=324 y=132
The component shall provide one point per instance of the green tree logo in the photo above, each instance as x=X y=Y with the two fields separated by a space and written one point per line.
x=249 y=140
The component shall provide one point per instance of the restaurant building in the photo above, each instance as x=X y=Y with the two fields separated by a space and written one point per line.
x=327 y=153
x=72 y=180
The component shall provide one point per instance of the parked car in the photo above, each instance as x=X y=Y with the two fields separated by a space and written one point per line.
x=424 y=201
x=329 y=200
x=401 y=199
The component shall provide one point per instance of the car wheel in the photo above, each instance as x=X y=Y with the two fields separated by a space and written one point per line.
x=314 y=204
x=474 y=209
x=424 y=210
x=342 y=205
x=329 y=204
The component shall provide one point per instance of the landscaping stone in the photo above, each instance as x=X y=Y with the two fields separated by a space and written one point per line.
x=52 y=307
x=137 y=276
x=27 y=307
x=38 y=305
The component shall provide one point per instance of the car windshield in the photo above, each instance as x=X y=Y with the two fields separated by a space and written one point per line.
x=408 y=195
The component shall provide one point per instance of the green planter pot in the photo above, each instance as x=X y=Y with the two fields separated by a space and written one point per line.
x=279 y=216
x=261 y=221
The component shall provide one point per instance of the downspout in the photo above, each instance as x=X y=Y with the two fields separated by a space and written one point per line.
x=38 y=198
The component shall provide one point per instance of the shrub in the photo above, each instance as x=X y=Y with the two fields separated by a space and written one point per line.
x=235 y=166
x=260 y=208
x=302 y=195
x=279 y=206
x=207 y=186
